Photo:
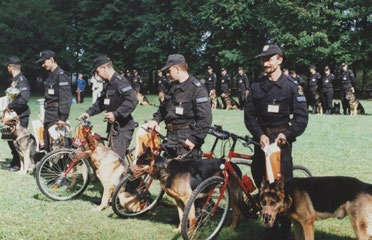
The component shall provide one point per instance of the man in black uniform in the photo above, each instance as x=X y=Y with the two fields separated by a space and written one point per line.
x=186 y=110
x=162 y=85
x=137 y=82
x=242 y=85
x=275 y=111
x=348 y=83
x=327 y=89
x=313 y=82
x=225 y=85
x=210 y=80
x=57 y=95
x=118 y=99
x=18 y=105
x=297 y=78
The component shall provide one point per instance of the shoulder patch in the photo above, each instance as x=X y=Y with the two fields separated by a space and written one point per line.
x=63 y=84
x=61 y=72
x=24 y=89
x=301 y=99
x=126 y=89
x=196 y=83
x=202 y=100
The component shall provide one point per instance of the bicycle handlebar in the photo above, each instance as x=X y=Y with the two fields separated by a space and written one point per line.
x=218 y=132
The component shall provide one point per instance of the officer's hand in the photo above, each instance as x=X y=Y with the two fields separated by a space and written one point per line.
x=83 y=116
x=281 y=139
x=264 y=141
x=153 y=125
x=189 y=145
x=110 y=117
x=61 y=123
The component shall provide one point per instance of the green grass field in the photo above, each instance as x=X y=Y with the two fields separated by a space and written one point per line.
x=331 y=145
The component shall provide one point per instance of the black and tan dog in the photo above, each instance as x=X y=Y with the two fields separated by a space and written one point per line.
x=24 y=142
x=107 y=165
x=305 y=200
x=229 y=102
x=178 y=178
x=356 y=107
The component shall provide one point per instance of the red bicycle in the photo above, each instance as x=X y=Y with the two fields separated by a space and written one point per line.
x=213 y=210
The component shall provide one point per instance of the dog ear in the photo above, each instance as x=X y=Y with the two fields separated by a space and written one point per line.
x=264 y=184
x=279 y=185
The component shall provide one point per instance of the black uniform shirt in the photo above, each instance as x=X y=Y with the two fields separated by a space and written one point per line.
x=272 y=104
x=327 y=83
x=347 y=79
x=225 y=82
x=19 y=105
x=118 y=97
x=162 y=84
x=57 y=96
x=210 y=81
x=313 y=81
x=192 y=97
x=242 y=83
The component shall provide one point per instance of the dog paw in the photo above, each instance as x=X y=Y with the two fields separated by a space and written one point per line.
x=97 y=209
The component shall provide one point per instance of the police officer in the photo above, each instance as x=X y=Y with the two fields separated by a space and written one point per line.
x=327 y=89
x=162 y=85
x=225 y=81
x=313 y=82
x=137 y=81
x=186 y=110
x=118 y=99
x=242 y=86
x=297 y=78
x=57 y=95
x=210 y=80
x=271 y=102
x=348 y=83
x=18 y=105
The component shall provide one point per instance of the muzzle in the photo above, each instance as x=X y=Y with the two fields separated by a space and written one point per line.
x=268 y=216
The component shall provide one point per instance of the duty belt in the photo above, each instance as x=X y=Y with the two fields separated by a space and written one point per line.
x=278 y=129
x=50 y=105
x=174 y=127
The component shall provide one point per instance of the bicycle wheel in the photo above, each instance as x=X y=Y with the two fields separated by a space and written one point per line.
x=301 y=171
x=132 y=198
x=56 y=180
x=210 y=212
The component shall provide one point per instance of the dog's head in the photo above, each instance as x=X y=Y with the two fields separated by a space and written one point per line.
x=272 y=201
x=350 y=96
x=9 y=129
x=336 y=108
x=213 y=94
x=148 y=161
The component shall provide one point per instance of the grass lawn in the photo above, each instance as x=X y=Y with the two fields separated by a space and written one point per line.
x=331 y=145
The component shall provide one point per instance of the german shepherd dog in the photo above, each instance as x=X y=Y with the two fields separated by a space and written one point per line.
x=107 y=165
x=214 y=99
x=178 y=178
x=24 y=142
x=356 y=107
x=318 y=102
x=305 y=200
x=229 y=102
x=336 y=108
x=142 y=99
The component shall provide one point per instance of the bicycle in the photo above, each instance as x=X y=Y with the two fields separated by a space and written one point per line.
x=241 y=158
x=214 y=208
x=61 y=176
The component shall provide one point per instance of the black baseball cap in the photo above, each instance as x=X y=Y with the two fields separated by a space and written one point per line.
x=173 y=59
x=99 y=61
x=209 y=67
x=13 y=60
x=326 y=68
x=269 y=50
x=46 y=54
x=343 y=64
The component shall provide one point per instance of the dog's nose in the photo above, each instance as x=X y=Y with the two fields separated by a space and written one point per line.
x=266 y=218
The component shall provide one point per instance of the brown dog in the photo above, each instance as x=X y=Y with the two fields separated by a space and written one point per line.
x=305 y=200
x=319 y=106
x=24 y=142
x=178 y=178
x=107 y=164
x=213 y=99
x=356 y=107
x=230 y=103
x=142 y=100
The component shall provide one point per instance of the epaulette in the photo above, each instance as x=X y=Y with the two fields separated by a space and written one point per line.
x=196 y=83
x=61 y=72
x=293 y=80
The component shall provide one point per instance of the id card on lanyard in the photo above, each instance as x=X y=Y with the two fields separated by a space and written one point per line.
x=179 y=109
x=51 y=90
x=273 y=108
